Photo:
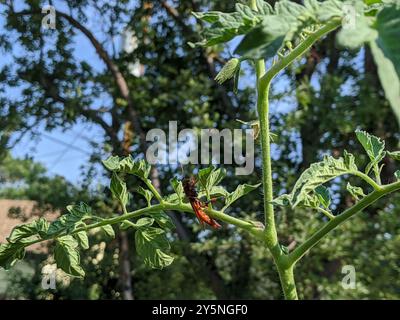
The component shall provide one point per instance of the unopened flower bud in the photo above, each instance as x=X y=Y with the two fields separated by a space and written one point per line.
x=228 y=71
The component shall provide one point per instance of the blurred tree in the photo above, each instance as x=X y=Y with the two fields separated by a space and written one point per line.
x=156 y=77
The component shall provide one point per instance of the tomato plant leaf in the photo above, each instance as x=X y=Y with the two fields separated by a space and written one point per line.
x=82 y=239
x=147 y=194
x=22 y=232
x=356 y=192
x=329 y=9
x=152 y=246
x=319 y=173
x=374 y=147
x=67 y=256
x=140 y=223
x=215 y=191
x=68 y=222
x=118 y=189
x=264 y=40
x=163 y=220
x=388 y=77
x=394 y=155
x=10 y=253
x=388 y=26
x=108 y=230
x=127 y=165
x=239 y=192
x=355 y=37
x=264 y=8
x=177 y=186
x=323 y=196
x=209 y=177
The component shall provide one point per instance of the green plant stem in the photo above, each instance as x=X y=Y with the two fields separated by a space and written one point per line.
x=286 y=276
x=298 y=253
x=377 y=174
x=285 y=268
x=367 y=179
x=326 y=213
x=153 y=190
x=250 y=226
x=300 y=49
x=271 y=236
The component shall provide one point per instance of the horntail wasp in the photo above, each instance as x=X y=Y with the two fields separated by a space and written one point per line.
x=189 y=187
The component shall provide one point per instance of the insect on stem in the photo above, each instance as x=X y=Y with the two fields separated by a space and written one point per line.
x=189 y=187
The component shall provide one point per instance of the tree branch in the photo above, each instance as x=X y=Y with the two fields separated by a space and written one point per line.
x=111 y=66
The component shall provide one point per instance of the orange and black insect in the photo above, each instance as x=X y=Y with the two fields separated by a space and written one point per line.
x=189 y=187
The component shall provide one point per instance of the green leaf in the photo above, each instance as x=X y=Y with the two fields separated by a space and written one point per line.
x=320 y=173
x=118 y=189
x=323 y=196
x=312 y=6
x=369 y=2
x=329 y=9
x=397 y=175
x=163 y=220
x=210 y=177
x=388 y=26
x=10 y=253
x=82 y=210
x=108 y=230
x=311 y=200
x=112 y=163
x=204 y=174
x=264 y=40
x=292 y=10
x=67 y=256
x=240 y=191
x=177 y=186
x=283 y=200
x=247 y=14
x=356 y=192
x=127 y=165
x=21 y=232
x=172 y=198
x=216 y=191
x=224 y=26
x=147 y=194
x=394 y=155
x=152 y=246
x=141 y=223
x=82 y=239
x=264 y=8
x=354 y=38
x=388 y=77
x=68 y=222
x=284 y=248
x=42 y=227
x=374 y=147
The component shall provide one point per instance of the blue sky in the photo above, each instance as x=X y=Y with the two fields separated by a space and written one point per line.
x=64 y=151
